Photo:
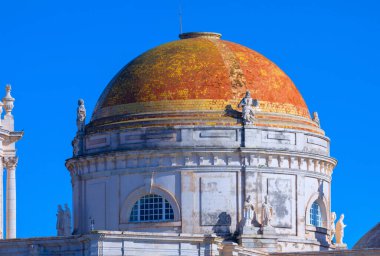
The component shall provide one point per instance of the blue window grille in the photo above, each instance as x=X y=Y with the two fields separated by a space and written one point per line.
x=315 y=215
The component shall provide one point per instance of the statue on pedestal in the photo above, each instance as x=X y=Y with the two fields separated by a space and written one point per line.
x=67 y=221
x=247 y=103
x=316 y=118
x=249 y=212
x=63 y=225
x=60 y=221
x=77 y=142
x=339 y=231
x=266 y=213
x=332 y=226
x=81 y=115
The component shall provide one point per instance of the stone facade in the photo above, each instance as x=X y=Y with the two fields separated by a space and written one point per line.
x=206 y=173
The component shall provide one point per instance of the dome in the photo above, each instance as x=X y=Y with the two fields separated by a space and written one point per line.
x=168 y=151
x=370 y=240
x=193 y=81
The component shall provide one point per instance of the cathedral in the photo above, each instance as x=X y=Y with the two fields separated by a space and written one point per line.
x=199 y=146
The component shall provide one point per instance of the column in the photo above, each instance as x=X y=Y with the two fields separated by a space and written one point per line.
x=1 y=199
x=10 y=165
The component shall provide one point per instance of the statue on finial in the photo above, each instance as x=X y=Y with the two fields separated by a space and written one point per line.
x=8 y=100
x=248 y=104
x=81 y=115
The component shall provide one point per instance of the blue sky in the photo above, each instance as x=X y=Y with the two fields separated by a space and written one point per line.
x=54 y=52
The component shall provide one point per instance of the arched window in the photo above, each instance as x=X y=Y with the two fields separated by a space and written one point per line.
x=151 y=208
x=315 y=215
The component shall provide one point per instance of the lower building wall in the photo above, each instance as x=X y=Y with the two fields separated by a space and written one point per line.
x=116 y=243
x=70 y=246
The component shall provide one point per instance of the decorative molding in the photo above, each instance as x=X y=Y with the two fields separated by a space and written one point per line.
x=270 y=160
x=10 y=162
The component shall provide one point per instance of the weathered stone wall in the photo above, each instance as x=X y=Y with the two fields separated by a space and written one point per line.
x=206 y=173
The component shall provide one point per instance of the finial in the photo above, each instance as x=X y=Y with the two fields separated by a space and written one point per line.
x=8 y=100
x=210 y=35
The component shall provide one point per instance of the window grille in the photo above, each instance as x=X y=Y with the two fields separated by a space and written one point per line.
x=151 y=208
x=315 y=215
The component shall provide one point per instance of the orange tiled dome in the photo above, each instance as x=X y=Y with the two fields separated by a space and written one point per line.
x=198 y=73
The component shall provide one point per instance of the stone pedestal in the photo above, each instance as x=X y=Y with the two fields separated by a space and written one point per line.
x=258 y=242
x=340 y=246
x=251 y=136
x=250 y=230
x=268 y=230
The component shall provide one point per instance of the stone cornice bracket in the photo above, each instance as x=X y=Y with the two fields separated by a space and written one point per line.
x=8 y=100
x=10 y=162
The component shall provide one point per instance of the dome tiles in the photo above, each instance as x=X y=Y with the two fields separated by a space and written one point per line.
x=193 y=81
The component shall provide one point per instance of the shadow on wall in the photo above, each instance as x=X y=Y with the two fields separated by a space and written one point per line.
x=321 y=236
x=222 y=226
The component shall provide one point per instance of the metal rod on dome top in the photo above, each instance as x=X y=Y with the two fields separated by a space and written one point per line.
x=180 y=17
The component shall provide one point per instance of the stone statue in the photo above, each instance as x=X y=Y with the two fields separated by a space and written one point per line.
x=247 y=103
x=266 y=213
x=81 y=115
x=339 y=231
x=316 y=118
x=249 y=212
x=332 y=226
x=60 y=221
x=67 y=222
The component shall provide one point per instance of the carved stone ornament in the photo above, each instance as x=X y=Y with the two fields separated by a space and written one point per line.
x=8 y=100
x=76 y=147
x=249 y=108
x=10 y=162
